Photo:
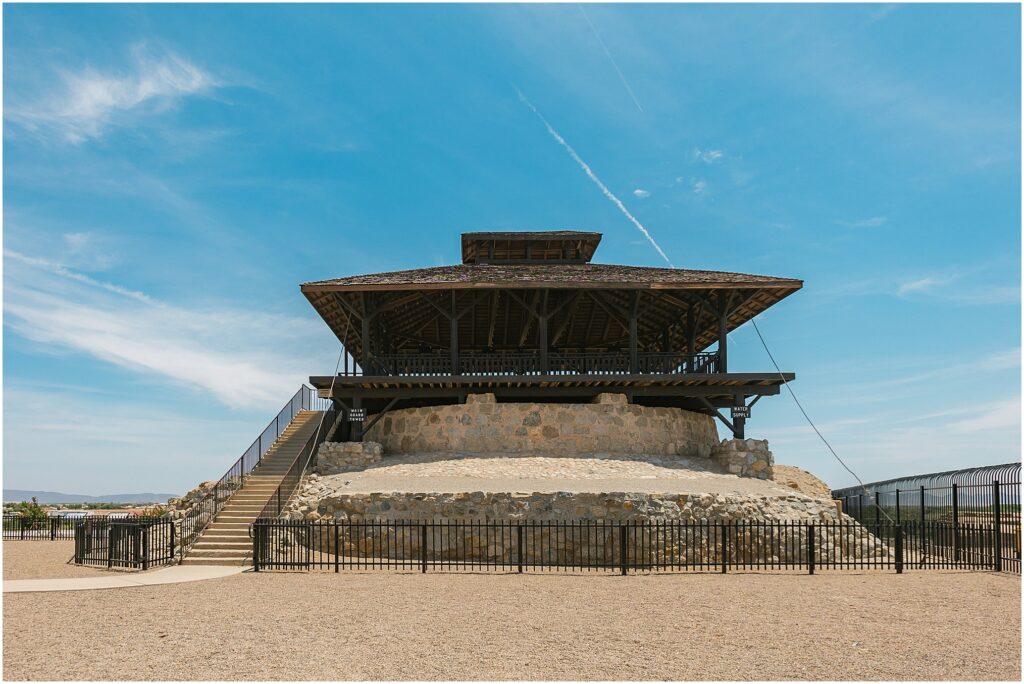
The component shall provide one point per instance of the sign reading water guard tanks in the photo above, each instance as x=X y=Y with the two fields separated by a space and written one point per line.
x=740 y=411
x=356 y=415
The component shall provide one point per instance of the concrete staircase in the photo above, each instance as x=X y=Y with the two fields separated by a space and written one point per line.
x=225 y=541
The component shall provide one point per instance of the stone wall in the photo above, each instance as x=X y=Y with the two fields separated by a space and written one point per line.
x=745 y=458
x=319 y=499
x=610 y=425
x=343 y=457
x=694 y=542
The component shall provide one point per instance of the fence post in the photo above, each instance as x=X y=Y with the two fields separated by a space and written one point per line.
x=810 y=549
x=337 y=547
x=309 y=545
x=423 y=547
x=145 y=547
x=623 y=559
x=997 y=524
x=922 y=507
x=53 y=528
x=173 y=527
x=21 y=524
x=725 y=546
x=860 y=506
x=899 y=549
x=956 y=524
x=897 y=507
x=255 y=527
x=519 y=546
x=110 y=545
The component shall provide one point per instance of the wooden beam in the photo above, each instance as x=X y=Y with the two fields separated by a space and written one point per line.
x=718 y=413
x=575 y=299
x=493 y=318
x=380 y=414
x=611 y=314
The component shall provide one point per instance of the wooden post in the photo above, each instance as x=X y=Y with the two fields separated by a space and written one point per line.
x=723 y=332
x=453 y=323
x=542 y=333
x=739 y=423
x=634 y=365
x=365 y=361
x=691 y=332
x=356 y=427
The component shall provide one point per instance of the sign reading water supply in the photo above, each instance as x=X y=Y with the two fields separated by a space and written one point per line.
x=356 y=415
x=740 y=411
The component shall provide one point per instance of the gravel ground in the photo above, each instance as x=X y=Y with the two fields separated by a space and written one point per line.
x=850 y=626
x=43 y=559
x=535 y=473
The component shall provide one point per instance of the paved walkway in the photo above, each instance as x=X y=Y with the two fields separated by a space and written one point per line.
x=172 y=575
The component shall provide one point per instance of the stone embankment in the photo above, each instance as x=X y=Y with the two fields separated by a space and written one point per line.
x=689 y=532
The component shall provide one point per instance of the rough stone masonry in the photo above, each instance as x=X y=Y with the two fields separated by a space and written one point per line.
x=610 y=425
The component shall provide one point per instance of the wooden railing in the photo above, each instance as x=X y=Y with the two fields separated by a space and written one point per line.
x=529 y=363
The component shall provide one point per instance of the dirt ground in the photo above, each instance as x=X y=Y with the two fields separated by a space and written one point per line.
x=43 y=559
x=850 y=626
x=457 y=472
x=801 y=480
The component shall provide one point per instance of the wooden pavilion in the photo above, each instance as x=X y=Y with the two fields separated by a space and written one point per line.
x=527 y=316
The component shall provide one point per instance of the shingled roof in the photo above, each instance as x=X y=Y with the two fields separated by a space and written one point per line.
x=544 y=275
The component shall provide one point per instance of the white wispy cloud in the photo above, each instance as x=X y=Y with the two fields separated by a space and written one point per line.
x=956 y=289
x=597 y=181
x=708 y=156
x=700 y=187
x=1005 y=414
x=641 y=193
x=952 y=437
x=873 y=222
x=926 y=284
x=88 y=101
x=242 y=358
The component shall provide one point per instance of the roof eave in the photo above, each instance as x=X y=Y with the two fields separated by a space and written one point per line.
x=791 y=285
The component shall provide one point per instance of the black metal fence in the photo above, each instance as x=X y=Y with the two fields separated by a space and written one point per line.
x=50 y=528
x=987 y=497
x=587 y=545
x=125 y=543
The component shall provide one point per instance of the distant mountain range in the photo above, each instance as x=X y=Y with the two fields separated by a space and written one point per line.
x=16 y=495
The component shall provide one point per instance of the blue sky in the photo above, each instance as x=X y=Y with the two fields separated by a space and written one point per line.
x=172 y=173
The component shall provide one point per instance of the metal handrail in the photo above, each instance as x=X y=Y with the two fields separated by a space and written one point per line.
x=504 y=363
x=290 y=482
x=203 y=514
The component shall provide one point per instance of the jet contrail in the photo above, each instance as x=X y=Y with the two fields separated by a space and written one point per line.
x=611 y=59
x=583 y=165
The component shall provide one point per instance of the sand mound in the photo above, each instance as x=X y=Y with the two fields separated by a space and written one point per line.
x=802 y=481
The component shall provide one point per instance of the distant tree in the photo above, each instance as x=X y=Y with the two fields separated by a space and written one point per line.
x=31 y=510
x=156 y=511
